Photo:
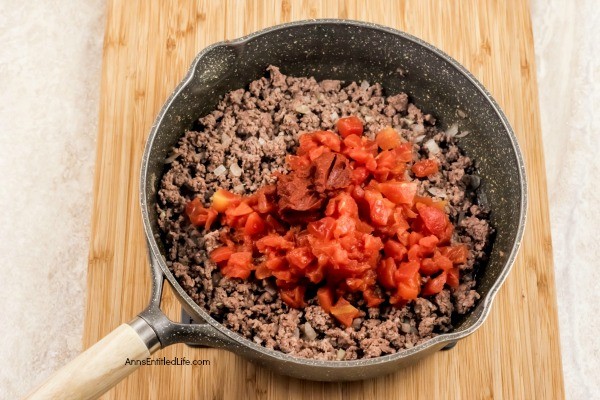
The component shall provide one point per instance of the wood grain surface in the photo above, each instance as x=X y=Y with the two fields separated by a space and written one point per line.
x=147 y=50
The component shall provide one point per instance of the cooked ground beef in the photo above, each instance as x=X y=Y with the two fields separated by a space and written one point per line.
x=239 y=147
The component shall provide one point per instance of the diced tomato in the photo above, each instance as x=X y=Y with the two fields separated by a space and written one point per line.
x=362 y=156
x=241 y=210
x=409 y=289
x=413 y=238
x=406 y=271
x=428 y=267
x=276 y=263
x=388 y=138
x=428 y=243
x=434 y=219
x=457 y=254
x=254 y=224
x=380 y=213
x=386 y=272
x=371 y=298
x=307 y=143
x=273 y=241
x=315 y=273
x=274 y=224
x=359 y=175
x=317 y=152
x=424 y=168
x=196 y=212
x=394 y=249
x=344 y=312
x=350 y=126
x=453 y=277
x=414 y=253
x=300 y=257
x=262 y=272
x=434 y=285
x=223 y=199
x=356 y=284
x=211 y=217
x=294 y=297
x=442 y=262
x=446 y=236
x=428 y=201
x=371 y=245
x=399 y=192
x=297 y=162
x=404 y=152
x=323 y=228
x=328 y=139
x=325 y=298
x=221 y=254
x=239 y=265
x=353 y=141
x=363 y=227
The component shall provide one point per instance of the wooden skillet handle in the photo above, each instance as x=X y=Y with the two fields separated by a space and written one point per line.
x=97 y=369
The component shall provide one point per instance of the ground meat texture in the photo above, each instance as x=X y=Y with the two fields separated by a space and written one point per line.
x=242 y=145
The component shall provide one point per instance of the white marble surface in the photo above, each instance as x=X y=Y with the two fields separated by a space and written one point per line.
x=50 y=58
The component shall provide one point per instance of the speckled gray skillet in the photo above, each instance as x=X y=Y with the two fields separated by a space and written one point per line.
x=346 y=50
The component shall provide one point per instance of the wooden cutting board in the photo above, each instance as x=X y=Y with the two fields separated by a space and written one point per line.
x=148 y=47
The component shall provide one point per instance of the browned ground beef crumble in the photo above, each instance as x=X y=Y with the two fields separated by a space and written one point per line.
x=254 y=129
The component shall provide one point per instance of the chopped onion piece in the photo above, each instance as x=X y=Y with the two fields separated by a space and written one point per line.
x=235 y=170
x=461 y=113
x=262 y=141
x=462 y=134
x=302 y=109
x=437 y=192
x=171 y=158
x=453 y=130
x=340 y=354
x=432 y=146
x=418 y=128
x=334 y=116
x=364 y=85
x=226 y=140
x=368 y=118
x=239 y=188
x=220 y=170
x=309 y=332
x=419 y=139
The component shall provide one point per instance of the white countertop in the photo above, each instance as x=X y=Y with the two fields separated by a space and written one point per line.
x=49 y=89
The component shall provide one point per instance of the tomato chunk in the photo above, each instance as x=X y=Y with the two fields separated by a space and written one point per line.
x=223 y=199
x=254 y=224
x=388 y=139
x=434 y=219
x=221 y=254
x=325 y=298
x=239 y=265
x=293 y=297
x=398 y=192
x=424 y=168
x=344 y=312
x=350 y=126
x=434 y=285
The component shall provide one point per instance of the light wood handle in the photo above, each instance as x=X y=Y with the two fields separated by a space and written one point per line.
x=97 y=369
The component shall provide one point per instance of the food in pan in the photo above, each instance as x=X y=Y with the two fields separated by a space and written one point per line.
x=324 y=220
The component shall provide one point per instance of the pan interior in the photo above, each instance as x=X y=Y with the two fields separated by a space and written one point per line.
x=353 y=52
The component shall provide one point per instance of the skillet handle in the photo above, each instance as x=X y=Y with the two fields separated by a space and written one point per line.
x=100 y=367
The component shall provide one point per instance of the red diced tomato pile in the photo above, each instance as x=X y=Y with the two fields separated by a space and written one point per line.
x=374 y=237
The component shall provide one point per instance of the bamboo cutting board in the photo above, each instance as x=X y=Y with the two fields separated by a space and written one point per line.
x=148 y=47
